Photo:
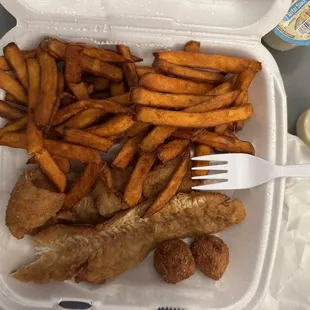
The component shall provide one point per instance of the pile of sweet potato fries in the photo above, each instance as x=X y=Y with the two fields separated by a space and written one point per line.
x=70 y=102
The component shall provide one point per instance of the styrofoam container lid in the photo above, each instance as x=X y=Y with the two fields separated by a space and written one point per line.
x=228 y=27
x=239 y=17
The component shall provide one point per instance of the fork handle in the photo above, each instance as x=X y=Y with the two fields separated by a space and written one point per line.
x=299 y=171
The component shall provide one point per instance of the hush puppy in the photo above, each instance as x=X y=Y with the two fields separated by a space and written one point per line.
x=211 y=256
x=174 y=261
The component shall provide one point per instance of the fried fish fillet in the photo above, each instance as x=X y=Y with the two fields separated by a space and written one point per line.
x=34 y=200
x=98 y=254
x=84 y=212
x=108 y=202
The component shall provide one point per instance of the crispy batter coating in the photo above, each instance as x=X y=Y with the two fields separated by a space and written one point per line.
x=211 y=256
x=173 y=260
x=95 y=255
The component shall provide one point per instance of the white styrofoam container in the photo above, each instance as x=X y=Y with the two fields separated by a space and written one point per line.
x=228 y=27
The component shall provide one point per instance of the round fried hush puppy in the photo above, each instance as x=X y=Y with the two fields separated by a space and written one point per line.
x=211 y=256
x=174 y=261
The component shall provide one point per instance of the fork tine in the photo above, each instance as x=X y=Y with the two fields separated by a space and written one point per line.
x=219 y=176
x=214 y=157
x=212 y=167
x=213 y=187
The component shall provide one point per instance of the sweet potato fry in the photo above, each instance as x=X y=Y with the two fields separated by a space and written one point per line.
x=9 y=84
x=58 y=50
x=214 y=103
x=122 y=99
x=82 y=185
x=127 y=152
x=225 y=143
x=106 y=176
x=172 y=187
x=98 y=82
x=117 y=88
x=54 y=47
x=73 y=63
x=4 y=65
x=188 y=73
x=232 y=79
x=60 y=90
x=166 y=84
x=160 y=133
x=100 y=68
x=110 y=106
x=17 y=63
x=141 y=70
x=82 y=120
x=215 y=62
x=129 y=68
x=155 y=138
x=34 y=134
x=50 y=168
x=242 y=98
x=30 y=53
x=67 y=99
x=134 y=188
x=183 y=133
x=137 y=128
x=73 y=109
x=143 y=96
x=113 y=127
x=14 y=139
x=79 y=91
x=229 y=133
x=201 y=150
x=16 y=125
x=34 y=137
x=107 y=55
x=63 y=163
x=11 y=98
x=244 y=79
x=194 y=120
x=48 y=89
x=81 y=137
x=240 y=101
x=33 y=68
x=9 y=112
x=192 y=46
x=172 y=149
x=71 y=151
x=222 y=89
x=220 y=130
x=187 y=133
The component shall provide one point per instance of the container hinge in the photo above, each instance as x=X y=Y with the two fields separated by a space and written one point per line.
x=97 y=29
x=72 y=26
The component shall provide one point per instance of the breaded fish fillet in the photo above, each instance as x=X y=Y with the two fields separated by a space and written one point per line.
x=34 y=200
x=98 y=254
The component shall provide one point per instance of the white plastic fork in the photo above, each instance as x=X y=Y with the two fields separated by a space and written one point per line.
x=241 y=171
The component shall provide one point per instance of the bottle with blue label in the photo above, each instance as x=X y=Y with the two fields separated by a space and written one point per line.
x=293 y=30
